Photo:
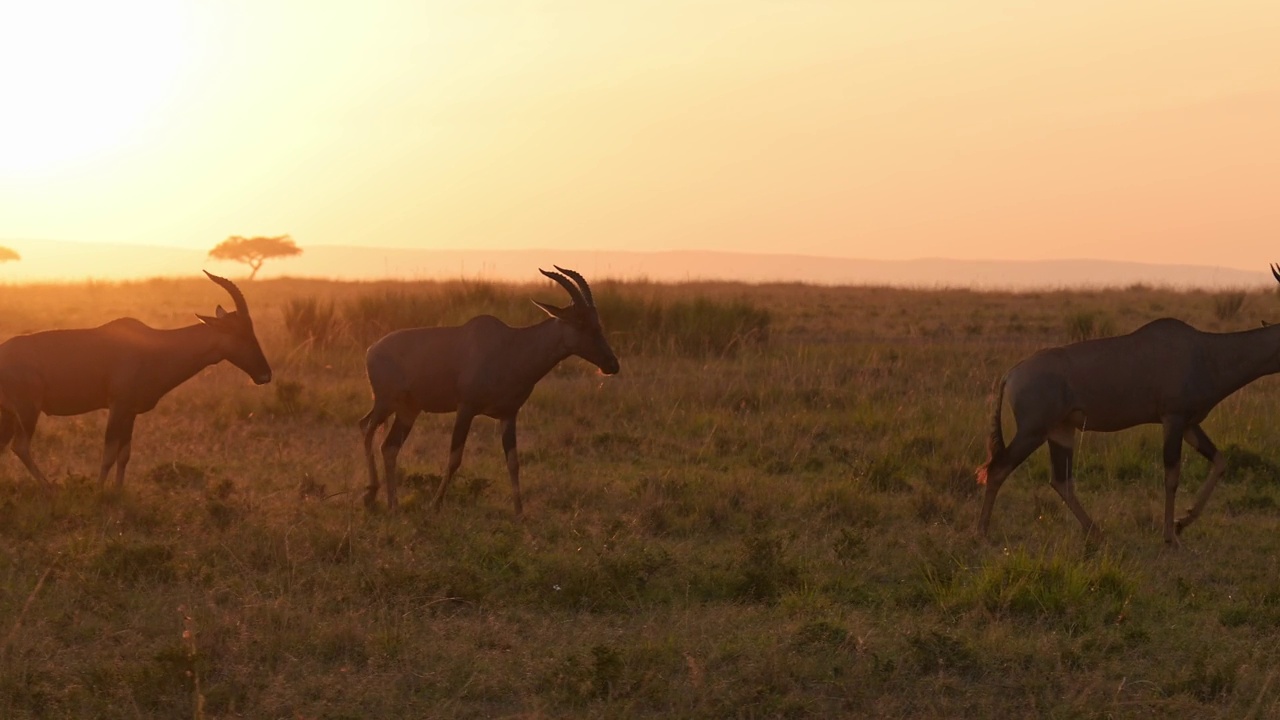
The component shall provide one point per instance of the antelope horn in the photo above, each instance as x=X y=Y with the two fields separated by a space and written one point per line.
x=241 y=306
x=574 y=293
x=586 y=289
x=1275 y=271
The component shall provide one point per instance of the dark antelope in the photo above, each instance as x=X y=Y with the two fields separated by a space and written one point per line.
x=123 y=366
x=483 y=367
x=1164 y=372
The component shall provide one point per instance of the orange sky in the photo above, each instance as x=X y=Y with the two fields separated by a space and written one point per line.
x=1022 y=130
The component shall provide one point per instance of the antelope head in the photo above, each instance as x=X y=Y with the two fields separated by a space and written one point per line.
x=584 y=335
x=239 y=342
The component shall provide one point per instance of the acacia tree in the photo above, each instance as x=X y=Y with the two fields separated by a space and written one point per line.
x=255 y=250
x=7 y=255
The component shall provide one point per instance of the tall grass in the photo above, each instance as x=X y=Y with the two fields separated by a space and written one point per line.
x=1088 y=324
x=312 y=321
x=1226 y=306
x=695 y=327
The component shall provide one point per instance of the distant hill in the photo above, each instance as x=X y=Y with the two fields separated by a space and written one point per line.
x=44 y=260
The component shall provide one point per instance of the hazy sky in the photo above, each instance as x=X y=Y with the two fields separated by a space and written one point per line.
x=879 y=129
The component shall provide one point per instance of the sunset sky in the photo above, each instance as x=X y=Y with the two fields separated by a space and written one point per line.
x=881 y=129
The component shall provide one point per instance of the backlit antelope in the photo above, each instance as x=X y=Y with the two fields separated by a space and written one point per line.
x=483 y=367
x=123 y=366
x=1164 y=372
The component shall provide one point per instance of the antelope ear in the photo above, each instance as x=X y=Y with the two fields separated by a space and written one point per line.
x=220 y=312
x=551 y=310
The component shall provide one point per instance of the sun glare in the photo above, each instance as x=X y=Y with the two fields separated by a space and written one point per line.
x=79 y=77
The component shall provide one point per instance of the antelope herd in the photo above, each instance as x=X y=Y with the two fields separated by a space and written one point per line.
x=1165 y=372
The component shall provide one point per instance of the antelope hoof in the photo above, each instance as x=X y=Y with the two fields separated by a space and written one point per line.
x=1183 y=522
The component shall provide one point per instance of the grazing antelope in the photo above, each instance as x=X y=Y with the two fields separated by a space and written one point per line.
x=483 y=367
x=1164 y=372
x=123 y=366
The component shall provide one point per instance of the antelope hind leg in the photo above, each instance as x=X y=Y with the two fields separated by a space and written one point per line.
x=369 y=424
x=1023 y=444
x=1196 y=438
x=1062 y=466
x=391 y=445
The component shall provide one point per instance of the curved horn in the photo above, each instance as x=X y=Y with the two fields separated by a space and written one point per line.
x=241 y=306
x=574 y=293
x=586 y=289
x=1275 y=271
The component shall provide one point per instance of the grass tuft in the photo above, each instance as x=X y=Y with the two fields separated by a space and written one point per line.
x=1088 y=324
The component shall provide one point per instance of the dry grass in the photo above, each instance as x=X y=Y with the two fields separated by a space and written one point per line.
x=787 y=531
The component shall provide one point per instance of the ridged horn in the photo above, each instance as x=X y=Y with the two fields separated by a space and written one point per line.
x=574 y=293
x=586 y=289
x=241 y=306
x=1275 y=271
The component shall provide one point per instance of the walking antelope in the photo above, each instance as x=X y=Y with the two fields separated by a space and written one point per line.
x=483 y=367
x=1164 y=372
x=123 y=366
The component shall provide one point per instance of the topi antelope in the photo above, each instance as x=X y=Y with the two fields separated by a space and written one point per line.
x=123 y=366
x=483 y=367
x=1164 y=372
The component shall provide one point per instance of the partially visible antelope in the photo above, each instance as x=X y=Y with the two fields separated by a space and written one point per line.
x=482 y=367
x=1164 y=372
x=123 y=366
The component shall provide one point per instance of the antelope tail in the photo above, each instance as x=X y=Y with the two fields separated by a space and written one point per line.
x=995 y=441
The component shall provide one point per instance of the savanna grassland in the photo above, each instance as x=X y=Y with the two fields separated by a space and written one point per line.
x=768 y=513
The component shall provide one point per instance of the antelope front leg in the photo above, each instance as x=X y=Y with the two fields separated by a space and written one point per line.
x=513 y=460
x=461 y=426
x=126 y=449
x=115 y=450
x=1197 y=439
x=1173 y=432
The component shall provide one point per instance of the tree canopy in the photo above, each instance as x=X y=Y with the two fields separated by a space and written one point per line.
x=254 y=251
x=8 y=254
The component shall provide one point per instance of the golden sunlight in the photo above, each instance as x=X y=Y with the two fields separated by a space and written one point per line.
x=79 y=78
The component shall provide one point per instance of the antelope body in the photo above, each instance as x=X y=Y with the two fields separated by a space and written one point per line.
x=1164 y=372
x=123 y=366
x=482 y=367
